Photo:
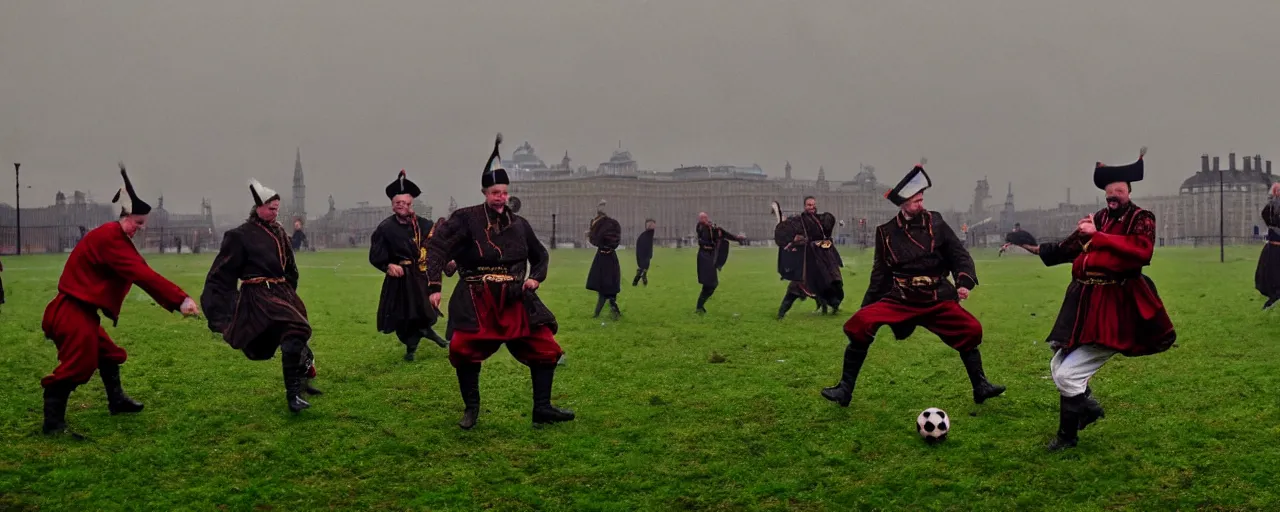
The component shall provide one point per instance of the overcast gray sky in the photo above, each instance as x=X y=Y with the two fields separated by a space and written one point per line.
x=199 y=96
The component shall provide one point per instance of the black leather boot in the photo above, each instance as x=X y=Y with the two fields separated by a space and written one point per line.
x=309 y=361
x=982 y=389
x=636 y=281
x=842 y=392
x=117 y=401
x=543 y=411
x=469 y=386
x=614 y=312
x=702 y=299
x=1090 y=409
x=836 y=296
x=1068 y=423
x=307 y=388
x=294 y=373
x=55 y=410
x=599 y=306
x=787 y=301
x=430 y=334
x=411 y=339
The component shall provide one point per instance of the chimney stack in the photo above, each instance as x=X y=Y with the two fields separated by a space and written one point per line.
x=1248 y=164
x=1231 y=161
x=1268 y=167
x=1215 y=164
x=1204 y=162
x=1257 y=163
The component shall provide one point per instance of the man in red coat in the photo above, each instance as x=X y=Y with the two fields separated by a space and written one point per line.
x=97 y=277
x=1110 y=307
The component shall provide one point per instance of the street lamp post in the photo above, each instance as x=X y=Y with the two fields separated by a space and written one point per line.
x=553 y=231
x=1222 y=246
x=17 y=211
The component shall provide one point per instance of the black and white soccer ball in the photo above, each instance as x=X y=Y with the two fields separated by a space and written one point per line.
x=933 y=425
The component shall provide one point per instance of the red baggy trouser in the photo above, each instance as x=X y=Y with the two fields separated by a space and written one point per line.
x=76 y=329
x=502 y=323
x=957 y=327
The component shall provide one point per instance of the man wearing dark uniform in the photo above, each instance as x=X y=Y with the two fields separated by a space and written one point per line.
x=1016 y=238
x=914 y=255
x=1266 y=279
x=712 y=249
x=819 y=268
x=265 y=313
x=2 y=284
x=398 y=248
x=299 y=237
x=644 y=252
x=494 y=302
x=1110 y=306
x=605 y=275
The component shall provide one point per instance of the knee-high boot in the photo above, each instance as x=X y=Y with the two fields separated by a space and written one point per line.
x=787 y=301
x=543 y=411
x=430 y=334
x=599 y=305
x=411 y=338
x=469 y=386
x=702 y=298
x=294 y=372
x=982 y=389
x=1068 y=422
x=117 y=401
x=1090 y=410
x=614 y=311
x=56 y=396
x=842 y=392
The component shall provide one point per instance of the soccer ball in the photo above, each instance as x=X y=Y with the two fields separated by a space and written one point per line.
x=933 y=425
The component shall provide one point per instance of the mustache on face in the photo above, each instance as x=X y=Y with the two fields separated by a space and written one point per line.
x=1113 y=199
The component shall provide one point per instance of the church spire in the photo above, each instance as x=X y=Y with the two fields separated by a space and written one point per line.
x=298 y=208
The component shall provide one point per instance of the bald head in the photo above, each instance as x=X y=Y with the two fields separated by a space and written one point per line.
x=703 y=218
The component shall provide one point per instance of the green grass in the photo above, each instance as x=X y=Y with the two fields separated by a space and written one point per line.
x=659 y=426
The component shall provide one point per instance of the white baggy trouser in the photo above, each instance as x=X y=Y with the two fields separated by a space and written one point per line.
x=1072 y=371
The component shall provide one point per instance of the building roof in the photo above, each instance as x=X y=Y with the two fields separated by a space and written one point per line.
x=1210 y=179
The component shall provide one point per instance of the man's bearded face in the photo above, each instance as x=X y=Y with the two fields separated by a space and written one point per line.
x=1117 y=195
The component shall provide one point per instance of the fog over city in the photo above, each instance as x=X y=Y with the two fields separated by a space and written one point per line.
x=197 y=97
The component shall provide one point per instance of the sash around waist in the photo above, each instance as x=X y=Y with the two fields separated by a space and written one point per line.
x=1104 y=278
x=262 y=280
x=486 y=274
x=918 y=281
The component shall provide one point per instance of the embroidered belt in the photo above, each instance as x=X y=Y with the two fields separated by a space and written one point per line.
x=1097 y=281
x=605 y=251
x=823 y=244
x=917 y=281
x=490 y=278
x=1273 y=243
x=263 y=280
x=1102 y=279
x=708 y=247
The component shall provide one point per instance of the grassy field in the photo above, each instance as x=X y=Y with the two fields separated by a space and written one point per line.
x=660 y=426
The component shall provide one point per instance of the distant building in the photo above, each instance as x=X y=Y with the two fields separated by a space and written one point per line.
x=1190 y=217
